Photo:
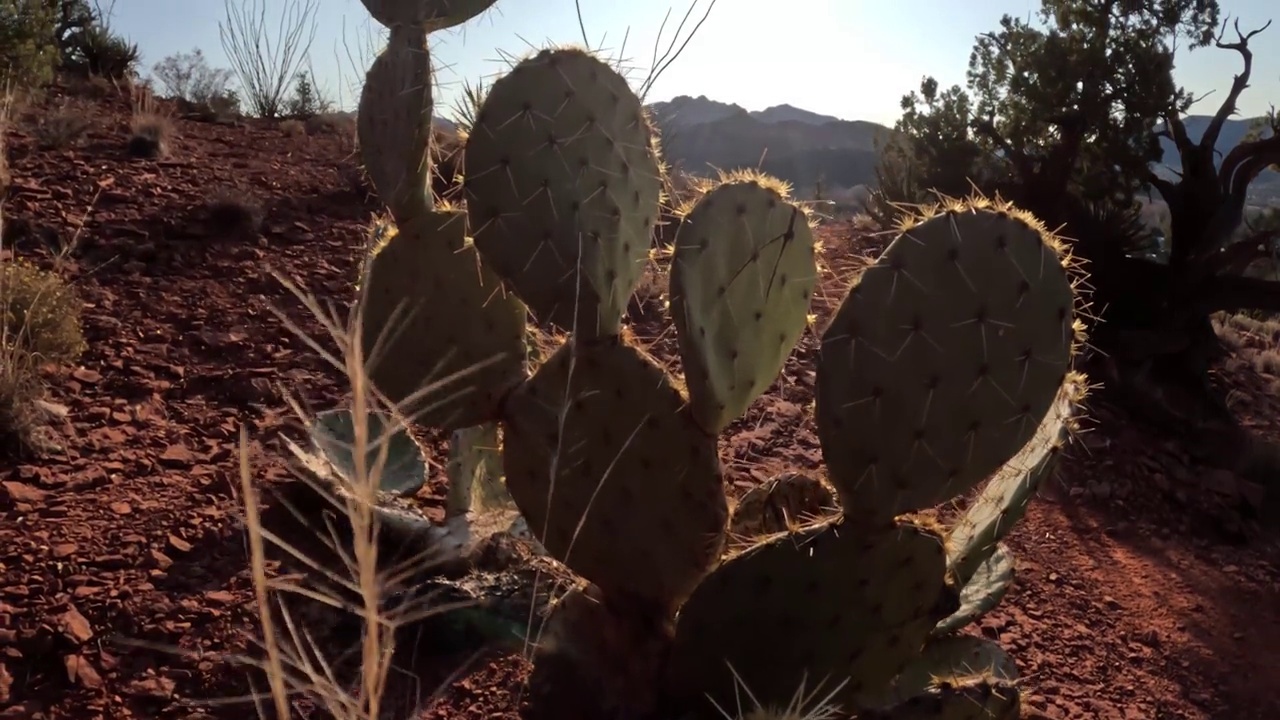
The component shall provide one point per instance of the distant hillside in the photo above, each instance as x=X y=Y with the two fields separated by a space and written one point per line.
x=795 y=144
x=700 y=134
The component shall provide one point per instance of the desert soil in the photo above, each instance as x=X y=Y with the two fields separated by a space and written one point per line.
x=1144 y=591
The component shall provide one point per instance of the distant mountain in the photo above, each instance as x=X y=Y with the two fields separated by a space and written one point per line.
x=700 y=135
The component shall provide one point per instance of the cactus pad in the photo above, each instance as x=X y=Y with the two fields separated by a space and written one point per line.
x=562 y=185
x=982 y=591
x=822 y=605
x=432 y=314
x=1003 y=501
x=943 y=359
x=961 y=677
x=425 y=15
x=474 y=470
x=636 y=504
x=394 y=124
x=783 y=502
x=401 y=471
x=742 y=274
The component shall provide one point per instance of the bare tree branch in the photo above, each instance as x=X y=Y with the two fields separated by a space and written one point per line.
x=264 y=65
x=1238 y=84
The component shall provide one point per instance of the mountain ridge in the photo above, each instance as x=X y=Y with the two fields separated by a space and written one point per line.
x=701 y=135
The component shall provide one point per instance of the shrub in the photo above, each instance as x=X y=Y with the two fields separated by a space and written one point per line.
x=189 y=76
x=233 y=216
x=307 y=101
x=98 y=51
x=28 y=51
x=39 y=313
x=150 y=131
x=61 y=128
x=292 y=128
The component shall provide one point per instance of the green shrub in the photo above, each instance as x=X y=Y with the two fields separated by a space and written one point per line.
x=98 y=51
x=28 y=47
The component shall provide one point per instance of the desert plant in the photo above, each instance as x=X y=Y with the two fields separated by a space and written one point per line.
x=233 y=215
x=189 y=76
x=293 y=128
x=28 y=51
x=97 y=50
x=150 y=130
x=264 y=65
x=949 y=362
x=306 y=101
x=62 y=128
x=39 y=312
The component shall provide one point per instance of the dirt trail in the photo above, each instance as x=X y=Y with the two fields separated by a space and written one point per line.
x=1126 y=606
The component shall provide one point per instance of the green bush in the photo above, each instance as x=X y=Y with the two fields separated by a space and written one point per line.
x=28 y=47
x=98 y=51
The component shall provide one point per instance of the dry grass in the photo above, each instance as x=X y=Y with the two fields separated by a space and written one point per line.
x=292 y=128
x=150 y=130
x=39 y=324
x=63 y=128
x=330 y=124
x=233 y=215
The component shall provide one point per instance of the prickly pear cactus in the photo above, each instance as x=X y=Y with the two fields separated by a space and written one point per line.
x=562 y=186
x=743 y=256
x=966 y=321
x=426 y=280
x=947 y=363
x=943 y=359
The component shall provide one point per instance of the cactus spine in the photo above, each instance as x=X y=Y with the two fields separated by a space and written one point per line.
x=948 y=361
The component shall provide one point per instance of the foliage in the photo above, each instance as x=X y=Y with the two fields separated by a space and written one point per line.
x=188 y=76
x=266 y=64
x=39 y=312
x=96 y=50
x=306 y=101
x=1066 y=106
x=28 y=51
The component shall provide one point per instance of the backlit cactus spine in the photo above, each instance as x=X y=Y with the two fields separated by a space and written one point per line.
x=428 y=262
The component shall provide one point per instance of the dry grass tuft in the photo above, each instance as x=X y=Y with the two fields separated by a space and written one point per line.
x=39 y=324
x=292 y=128
x=233 y=215
x=150 y=131
x=63 y=128
x=333 y=123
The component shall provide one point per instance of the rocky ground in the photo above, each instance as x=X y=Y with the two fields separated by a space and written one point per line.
x=1144 y=590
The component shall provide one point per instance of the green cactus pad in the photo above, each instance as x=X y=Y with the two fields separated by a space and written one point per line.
x=403 y=470
x=1004 y=500
x=426 y=15
x=636 y=504
x=394 y=123
x=822 y=605
x=781 y=503
x=943 y=359
x=432 y=315
x=742 y=275
x=982 y=592
x=562 y=185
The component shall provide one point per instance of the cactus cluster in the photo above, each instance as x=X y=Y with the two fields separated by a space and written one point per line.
x=948 y=363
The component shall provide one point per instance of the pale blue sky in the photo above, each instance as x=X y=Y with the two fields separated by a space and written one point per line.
x=848 y=58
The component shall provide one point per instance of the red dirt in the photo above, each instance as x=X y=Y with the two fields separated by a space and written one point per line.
x=1128 y=603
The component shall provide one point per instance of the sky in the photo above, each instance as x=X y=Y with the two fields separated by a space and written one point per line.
x=851 y=59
